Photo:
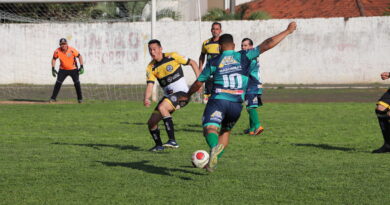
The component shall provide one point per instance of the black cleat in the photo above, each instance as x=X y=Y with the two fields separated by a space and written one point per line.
x=385 y=148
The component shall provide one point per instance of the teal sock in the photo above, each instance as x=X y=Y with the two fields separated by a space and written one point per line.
x=251 y=128
x=212 y=139
x=254 y=119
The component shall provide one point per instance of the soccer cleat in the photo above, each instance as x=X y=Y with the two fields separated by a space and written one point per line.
x=52 y=100
x=215 y=151
x=257 y=131
x=80 y=101
x=385 y=148
x=246 y=131
x=157 y=148
x=171 y=144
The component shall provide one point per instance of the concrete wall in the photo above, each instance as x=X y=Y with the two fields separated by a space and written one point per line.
x=321 y=51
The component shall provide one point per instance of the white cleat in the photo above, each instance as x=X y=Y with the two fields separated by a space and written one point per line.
x=215 y=151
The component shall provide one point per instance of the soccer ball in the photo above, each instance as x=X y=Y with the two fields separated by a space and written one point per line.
x=200 y=158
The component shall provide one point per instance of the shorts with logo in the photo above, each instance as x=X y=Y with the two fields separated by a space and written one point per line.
x=385 y=99
x=253 y=100
x=173 y=99
x=221 y=113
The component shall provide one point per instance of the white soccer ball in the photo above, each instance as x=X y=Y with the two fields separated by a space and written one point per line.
x=200 y=158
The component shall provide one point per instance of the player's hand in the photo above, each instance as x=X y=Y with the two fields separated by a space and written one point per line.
x=147 y=102
x=54 y=72
x=291 y=27
x=385 y=75
x=81 y=70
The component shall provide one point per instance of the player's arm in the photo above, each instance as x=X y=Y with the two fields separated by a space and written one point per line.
x=53 y=66
x=81 y=60
x=194 y=67
x=275 y=40
x=385 y=75
x=201 y=60
x=148 y=94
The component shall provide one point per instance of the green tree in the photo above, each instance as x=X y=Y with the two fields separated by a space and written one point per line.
x=221 y=15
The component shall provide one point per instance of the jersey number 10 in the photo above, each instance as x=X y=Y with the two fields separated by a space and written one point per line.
x=232 y=81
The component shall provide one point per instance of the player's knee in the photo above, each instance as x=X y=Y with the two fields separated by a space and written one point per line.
x=210 y=129
x=59 y=82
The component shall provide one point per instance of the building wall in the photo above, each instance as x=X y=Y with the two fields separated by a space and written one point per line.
x=320 y=51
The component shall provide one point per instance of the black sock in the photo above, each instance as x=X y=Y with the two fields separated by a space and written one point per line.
x=156 y=136
x=169 y=127
x=78 y=91
x=56 y=90
x=384 y=124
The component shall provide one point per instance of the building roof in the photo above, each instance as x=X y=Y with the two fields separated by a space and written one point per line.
x=320 y=8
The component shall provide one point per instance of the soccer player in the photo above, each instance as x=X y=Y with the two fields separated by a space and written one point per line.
x=383 y=113
x=231 y=71
x=68 y=66
x=210 y=47
x=253 y=92
x=167 y=69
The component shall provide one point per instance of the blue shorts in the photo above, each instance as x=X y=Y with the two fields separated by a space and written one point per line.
x=253 y=100
x=221 y=113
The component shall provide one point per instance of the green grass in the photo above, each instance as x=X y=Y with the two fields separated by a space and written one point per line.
x=96 y=153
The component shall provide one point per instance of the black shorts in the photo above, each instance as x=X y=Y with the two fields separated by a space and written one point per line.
x=221 y=113
x=253 y=100
x=385 y=99
x=173 y=99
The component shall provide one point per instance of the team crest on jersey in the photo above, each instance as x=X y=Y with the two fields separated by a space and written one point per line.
x=169 y=68
x=217 y=116
x=69 y=55
x=227 y=60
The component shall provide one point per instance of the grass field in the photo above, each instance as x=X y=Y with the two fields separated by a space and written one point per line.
x=96 y=153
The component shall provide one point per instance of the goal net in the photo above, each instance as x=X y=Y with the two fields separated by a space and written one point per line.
x=111 y=36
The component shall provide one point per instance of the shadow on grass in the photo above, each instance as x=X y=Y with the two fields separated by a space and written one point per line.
x=134 y=123
x=28 y=100
x=143 y=166
x=98 y=146
x=326 y=146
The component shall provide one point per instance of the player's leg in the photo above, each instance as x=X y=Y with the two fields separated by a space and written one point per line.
x=383 y=115
x=75 y=77
x=166 y=108
x=254 y=101
x=154 y=131
x=62 y=74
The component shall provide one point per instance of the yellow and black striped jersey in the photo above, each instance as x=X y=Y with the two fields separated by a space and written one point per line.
x=210 y=47
x=168 y=72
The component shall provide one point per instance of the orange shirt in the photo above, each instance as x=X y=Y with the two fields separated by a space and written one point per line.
x=67 y=59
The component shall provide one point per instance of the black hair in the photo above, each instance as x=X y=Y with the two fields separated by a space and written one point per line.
x=216 y=23
x=154 y=41
x=225 y=38
x=247 y=39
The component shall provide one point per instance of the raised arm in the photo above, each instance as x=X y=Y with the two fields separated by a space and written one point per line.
x=148 y=94
x=275 y=40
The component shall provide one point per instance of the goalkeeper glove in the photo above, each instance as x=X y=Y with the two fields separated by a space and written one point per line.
x=54 y=72
x=81 y=70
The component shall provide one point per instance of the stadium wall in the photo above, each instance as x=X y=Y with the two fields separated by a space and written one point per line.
x=322 y=51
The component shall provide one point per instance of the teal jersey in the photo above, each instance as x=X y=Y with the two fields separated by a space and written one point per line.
x=254 y=84
x=231 y=72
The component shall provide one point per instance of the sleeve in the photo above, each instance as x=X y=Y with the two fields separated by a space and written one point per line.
x=150 y=78
x=253 y=53
x=180 y=59
x=55 y=54
x=204 y=51
x=75 y=52
x=206 y=73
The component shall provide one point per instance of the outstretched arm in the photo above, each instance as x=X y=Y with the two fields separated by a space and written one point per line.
x=275 y=40
x=148 y=94
x=195 y=67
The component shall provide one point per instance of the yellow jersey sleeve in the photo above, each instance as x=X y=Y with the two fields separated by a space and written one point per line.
x=179 y=59
x=204 y=51
x=150 y=77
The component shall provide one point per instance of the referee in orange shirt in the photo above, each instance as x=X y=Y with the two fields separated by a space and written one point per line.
x=68 y=66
